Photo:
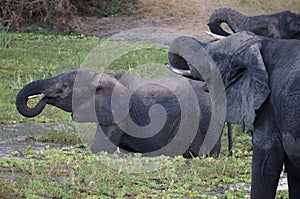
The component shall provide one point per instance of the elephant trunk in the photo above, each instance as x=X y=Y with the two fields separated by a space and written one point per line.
x=177 y=55
x=31 y=89
x=225 y=15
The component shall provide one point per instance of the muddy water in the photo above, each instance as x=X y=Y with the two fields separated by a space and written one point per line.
x=18 y=137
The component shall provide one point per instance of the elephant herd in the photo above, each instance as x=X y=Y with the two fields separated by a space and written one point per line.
x=259 y=64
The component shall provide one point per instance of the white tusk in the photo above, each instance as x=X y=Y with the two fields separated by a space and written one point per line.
x=186 y=73
x=219 y=37
x=35 y=96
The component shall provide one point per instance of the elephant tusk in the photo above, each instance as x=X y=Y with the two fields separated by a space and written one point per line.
x=35 y=96
x=219 y=37
x=185 y=73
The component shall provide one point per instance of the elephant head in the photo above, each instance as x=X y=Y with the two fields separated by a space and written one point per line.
x=282 y=25
x=74 y=91
x=240 y=64
x=56 y=90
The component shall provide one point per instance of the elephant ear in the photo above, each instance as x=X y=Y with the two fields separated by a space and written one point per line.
x=248 y=87
x=97 y=96
x=111 y=100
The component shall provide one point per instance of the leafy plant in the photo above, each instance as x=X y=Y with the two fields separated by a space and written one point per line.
x=105 y=8
x=60 y=137
x=5 y=39
x=76 y=173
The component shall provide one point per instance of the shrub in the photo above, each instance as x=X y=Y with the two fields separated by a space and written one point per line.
x=57 y=15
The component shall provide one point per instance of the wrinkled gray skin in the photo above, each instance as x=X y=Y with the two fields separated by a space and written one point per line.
x=282 y=25
x=262 y=83
x=58 y=92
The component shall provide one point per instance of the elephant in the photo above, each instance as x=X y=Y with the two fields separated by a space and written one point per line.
x=129 y=109
x=282 y=25
x=261 y=79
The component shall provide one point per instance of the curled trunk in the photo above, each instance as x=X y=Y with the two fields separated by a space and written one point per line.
x=225 y=15
x=177 y=54
x=33 y=88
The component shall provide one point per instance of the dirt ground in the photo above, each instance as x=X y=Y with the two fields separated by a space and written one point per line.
x=158 y=27
x=153 y=28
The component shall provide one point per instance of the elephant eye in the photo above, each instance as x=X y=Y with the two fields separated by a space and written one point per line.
x=63 y=86
x=236 y=75
x=61 y=90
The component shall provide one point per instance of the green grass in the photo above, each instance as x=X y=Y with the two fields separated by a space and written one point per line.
x=31 y=57
x=60 y=137
x=74 y=172
x=5 y=39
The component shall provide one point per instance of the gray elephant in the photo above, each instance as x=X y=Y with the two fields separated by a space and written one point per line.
x=261 y=78
x=282 y=25
x=135 y=114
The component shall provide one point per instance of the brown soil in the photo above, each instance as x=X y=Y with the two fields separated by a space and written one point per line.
x=193 y=25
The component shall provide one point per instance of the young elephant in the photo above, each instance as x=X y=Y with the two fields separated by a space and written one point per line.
x=282 y=25
x=261 y=77
x=138 y=115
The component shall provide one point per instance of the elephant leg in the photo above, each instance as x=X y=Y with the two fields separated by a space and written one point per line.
x=291 y=143
x=292 y=165
x=268 y=155
x=267 y=163
x=230 y=142
x=294 y=186
x=266 y=169
x=102 y=143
